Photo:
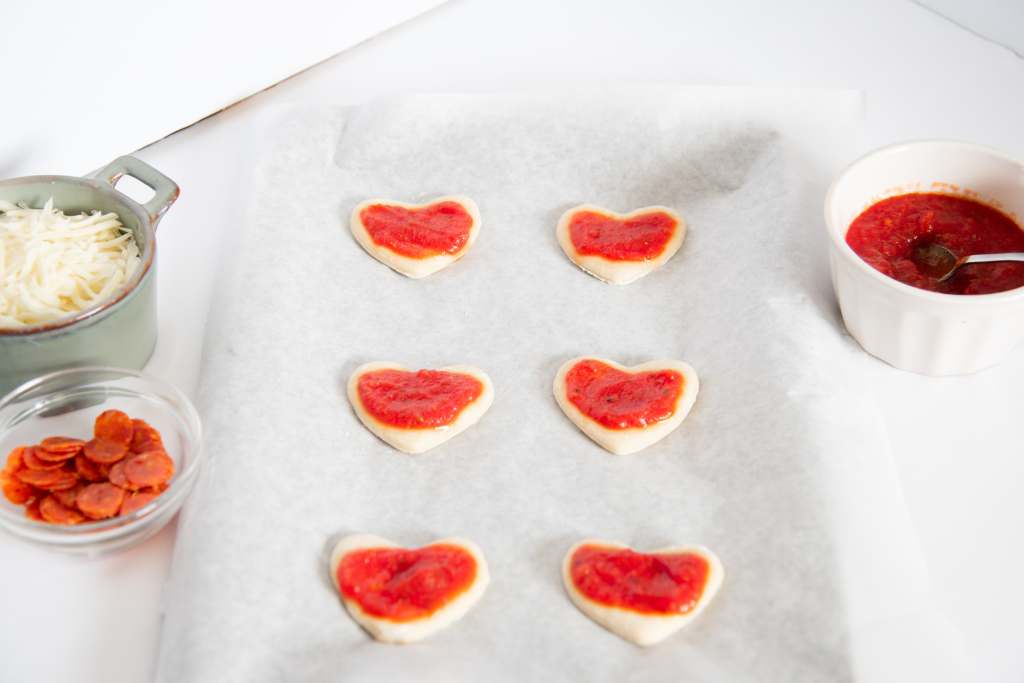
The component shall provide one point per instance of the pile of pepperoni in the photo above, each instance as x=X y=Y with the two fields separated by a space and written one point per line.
x=63 y=480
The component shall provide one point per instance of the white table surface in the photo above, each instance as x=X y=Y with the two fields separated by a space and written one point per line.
x=157 y=41
x=99 y=620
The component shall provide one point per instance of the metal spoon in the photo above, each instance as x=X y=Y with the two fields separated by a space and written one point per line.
x=939 y=262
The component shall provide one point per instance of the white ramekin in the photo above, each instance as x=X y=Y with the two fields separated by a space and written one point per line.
x=910 y=328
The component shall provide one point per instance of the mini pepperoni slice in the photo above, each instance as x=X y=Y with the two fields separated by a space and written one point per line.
x=60 y=445
x=48 y=456
x=87 y=469
x=15 y=490
x=145 y=437
x=100 y=501
x=48 y=480
x=138 y=500
x=32 y=510
x=105 y=451
x=31 y=460
x=67 y=481
x=147 y=445
x=113 y=425
x=117 y=476
x=67 y=497
x=14 y=460
x=151 y=468
x=41 y=478
x=51 y=457
x=53 y=511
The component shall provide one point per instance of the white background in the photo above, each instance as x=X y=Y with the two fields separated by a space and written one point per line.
x=956 y=441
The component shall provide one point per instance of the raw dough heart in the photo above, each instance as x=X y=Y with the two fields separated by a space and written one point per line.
x=620 y=248
x=626 y=409
x=416 y=239
x=402 y=595
x=642 y=597
x=414 y=411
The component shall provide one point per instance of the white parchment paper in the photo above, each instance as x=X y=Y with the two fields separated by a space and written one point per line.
x=782 y=467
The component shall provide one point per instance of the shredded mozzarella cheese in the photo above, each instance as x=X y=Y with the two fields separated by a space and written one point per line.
x=52 y=265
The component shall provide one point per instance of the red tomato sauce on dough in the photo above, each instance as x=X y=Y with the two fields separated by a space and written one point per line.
x=441 y=228
x=623 y=400
x=403 y=585
x=886 y=233
x=640 y=238
x=648 y=583
x=425 y=399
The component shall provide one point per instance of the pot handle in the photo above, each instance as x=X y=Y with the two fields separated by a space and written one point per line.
x=165 y=190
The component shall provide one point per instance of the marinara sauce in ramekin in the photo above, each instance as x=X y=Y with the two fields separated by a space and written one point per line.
x=966 y=197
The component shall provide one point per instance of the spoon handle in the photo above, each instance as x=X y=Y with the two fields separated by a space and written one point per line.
x=989 y=258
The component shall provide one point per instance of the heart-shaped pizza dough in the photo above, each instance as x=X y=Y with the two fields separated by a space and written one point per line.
x=642 y=597
x=402 y=595
x=620 y=248
x=626 y=409
x=416 y=239
x=415 y=410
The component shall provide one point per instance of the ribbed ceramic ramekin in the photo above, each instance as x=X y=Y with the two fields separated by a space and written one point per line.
x=910 y=328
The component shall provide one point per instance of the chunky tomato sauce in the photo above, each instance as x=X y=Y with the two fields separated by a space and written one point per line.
x=623 y=400
x=887 y=232
x=649 y=583
x=424 y=399
x=640 y=238
x=403 y=585
x=441 y=228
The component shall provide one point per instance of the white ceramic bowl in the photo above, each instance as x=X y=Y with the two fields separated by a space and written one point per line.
x=910 y=328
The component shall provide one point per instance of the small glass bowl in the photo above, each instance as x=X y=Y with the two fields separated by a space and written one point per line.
x=66 y=403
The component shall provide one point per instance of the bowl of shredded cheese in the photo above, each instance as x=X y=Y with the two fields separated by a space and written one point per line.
x=78 y=271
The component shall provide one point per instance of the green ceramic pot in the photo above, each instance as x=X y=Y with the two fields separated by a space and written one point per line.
x=120 y=331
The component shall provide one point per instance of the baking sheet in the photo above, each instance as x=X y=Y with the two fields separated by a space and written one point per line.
x=782 y=468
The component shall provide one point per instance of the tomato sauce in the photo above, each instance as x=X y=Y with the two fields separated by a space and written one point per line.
x=648 y=583
x=403 y=585
x=441 y=228
x=640 y=238
x=623 y=400
x=424 y=399
x=887 y=232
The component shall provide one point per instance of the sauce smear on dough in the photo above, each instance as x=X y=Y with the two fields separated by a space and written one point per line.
x=623 y=400
x=649 y=583
x=441 y=228
x=640 y=238
x=425 y=399
x=404 y=585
